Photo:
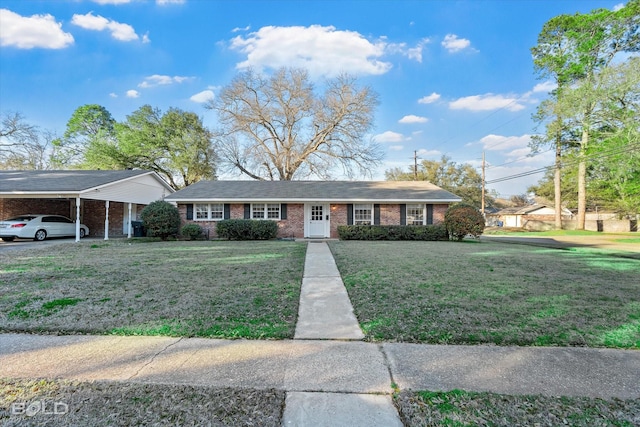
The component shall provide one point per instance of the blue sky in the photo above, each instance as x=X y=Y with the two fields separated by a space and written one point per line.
x=454 y=77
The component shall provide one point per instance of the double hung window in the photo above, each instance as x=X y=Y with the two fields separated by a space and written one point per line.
x=209 y=211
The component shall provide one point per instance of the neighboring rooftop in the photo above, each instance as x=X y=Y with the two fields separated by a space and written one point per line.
x=300 y=191
x=61 y=180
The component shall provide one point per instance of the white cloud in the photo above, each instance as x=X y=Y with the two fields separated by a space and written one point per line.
x=429 y=99
x=40 y=31
x=487 y=102
x=428 y=153
x=166 y=2
x=238 y=29
x=324 y=51
x=113 y=95
x=500 y=143
x=414 y=53
x=160 y=80
x=119 y=31
x=389 y=136
x=454 y=44
x=618 y=6
x=202 y=97
x=396 y=147
x=413 y=119
x=132 y=93
x=545 y=87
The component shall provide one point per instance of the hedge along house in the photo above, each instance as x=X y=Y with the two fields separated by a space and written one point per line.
x=105 y=201
x=313 y=209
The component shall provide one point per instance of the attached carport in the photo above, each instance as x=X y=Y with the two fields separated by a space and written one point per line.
x=49 y=189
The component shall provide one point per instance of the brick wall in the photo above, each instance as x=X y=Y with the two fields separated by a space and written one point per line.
x=13 y=207
x=293 y=226
x=93 y=215
x=438 y=213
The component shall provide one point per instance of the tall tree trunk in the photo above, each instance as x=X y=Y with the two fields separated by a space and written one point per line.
x=557 y=188
x=582 y=180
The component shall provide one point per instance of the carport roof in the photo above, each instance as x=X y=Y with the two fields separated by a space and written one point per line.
x=68 y=181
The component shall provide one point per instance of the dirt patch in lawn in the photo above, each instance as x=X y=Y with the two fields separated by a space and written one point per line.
x=205 y=289
x=65 y=403
x=471 y=293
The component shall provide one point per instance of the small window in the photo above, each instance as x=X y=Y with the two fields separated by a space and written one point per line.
x=202 y=211
x=415 y=214
x=217 y=211
x=363 y=214
x=265 y=211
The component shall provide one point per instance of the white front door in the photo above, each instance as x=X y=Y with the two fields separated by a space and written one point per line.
x=317 y=220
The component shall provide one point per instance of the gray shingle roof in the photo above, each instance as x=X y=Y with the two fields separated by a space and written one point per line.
x=60 y=180
x=329 y=191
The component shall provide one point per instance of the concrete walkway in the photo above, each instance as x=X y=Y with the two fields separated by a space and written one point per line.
x=330 y=377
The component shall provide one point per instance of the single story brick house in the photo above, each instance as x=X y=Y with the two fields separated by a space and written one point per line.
x=106 y=201
x=313 y=209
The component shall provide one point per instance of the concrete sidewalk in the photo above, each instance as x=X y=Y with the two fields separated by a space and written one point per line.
x=324 y=366
x=330 y=377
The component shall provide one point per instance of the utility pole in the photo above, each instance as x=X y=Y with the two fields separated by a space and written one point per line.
x=483 y=180
x=415 y=165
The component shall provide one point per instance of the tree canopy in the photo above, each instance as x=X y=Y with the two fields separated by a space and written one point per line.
x=577 y=51
x=278 y=128
x=460 y=179
x=23 y=145
x=175 y=144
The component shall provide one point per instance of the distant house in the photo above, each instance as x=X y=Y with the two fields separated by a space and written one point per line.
x=105 y=201
x=313 y=209
x=520 y=217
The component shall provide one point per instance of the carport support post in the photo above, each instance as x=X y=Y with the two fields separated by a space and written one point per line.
x=77 y=219
x=106 y=220
x=129 y=228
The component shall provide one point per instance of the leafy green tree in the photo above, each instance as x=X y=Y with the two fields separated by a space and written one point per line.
x=90 y=126
x=577 y=48
x=460 y=179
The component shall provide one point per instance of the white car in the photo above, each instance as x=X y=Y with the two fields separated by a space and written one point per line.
x=39 y=227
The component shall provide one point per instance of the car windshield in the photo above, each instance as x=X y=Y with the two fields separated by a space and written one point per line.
x=25 y=218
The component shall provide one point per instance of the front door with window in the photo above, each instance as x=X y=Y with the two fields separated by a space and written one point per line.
x=317 y=216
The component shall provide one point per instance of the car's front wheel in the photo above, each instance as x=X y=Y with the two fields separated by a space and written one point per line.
x=40 y=235
x=8 y=239
x=82 y=233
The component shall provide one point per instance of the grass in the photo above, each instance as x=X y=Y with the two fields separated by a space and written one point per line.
x=466 y=409
x=109 y=403
x=452 y=293
x=520 y=232
x=204 y=289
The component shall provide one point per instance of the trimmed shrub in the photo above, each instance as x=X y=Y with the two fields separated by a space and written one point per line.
x=247 y=229
x=161 y=219
x=192 y=231
x=461 y=220
x=392 y=232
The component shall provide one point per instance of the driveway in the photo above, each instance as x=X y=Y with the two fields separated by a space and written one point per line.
x=608 y=242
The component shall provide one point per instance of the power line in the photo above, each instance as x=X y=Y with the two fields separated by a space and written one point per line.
x=603 y=154
x=521 y=158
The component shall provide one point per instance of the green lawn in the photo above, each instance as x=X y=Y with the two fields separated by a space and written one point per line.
x=490 y=292
x=206 y=289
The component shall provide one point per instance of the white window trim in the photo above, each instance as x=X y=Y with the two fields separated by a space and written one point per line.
x=371 y=208
x=209 y=212
x=265 y=212
x=424 y=213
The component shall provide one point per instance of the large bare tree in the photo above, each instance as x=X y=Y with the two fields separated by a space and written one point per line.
x=23 y=145
x=278 y=128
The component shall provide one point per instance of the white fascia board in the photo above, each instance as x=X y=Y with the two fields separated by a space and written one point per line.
x=280 y=200
x=38 y=194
